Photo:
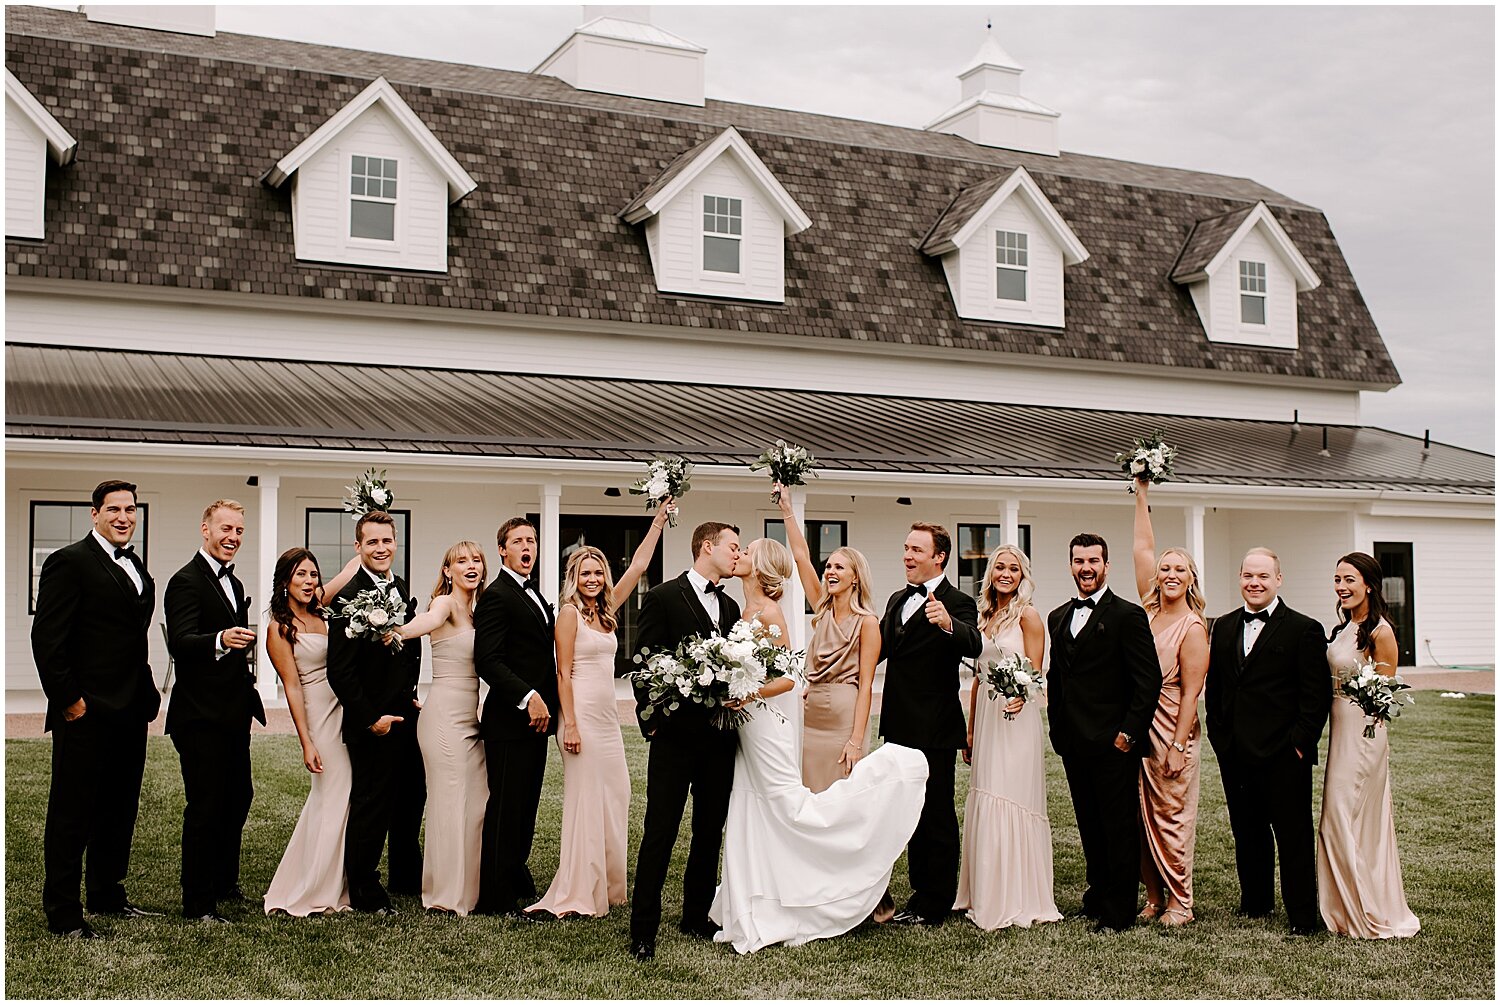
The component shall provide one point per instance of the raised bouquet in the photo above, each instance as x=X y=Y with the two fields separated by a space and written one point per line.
x=373 y=616
x=713 y=671
x=665 y=476
x=1012 y=676
x=369 y=492
x=1377 y=695
x=787 y=463
x=1151 y=459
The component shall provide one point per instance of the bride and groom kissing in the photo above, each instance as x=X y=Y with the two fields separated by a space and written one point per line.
x=802 y=865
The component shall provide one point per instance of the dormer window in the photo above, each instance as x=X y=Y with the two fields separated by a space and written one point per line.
x=1253 y=293
x=1010 y=265
x=372 y=203
x=723 y=220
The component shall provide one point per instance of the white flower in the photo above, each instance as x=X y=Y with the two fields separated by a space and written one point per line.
x=775 y=631
x=382 y=496
x=379 y=618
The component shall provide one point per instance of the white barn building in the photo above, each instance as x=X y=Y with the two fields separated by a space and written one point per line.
x=245 y=267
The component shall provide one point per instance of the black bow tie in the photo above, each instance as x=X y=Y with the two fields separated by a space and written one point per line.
x=1079 y=602
x=129 y=549
x=713 y=588
x=911 y=591
x=226 y=570
x=1262 y=616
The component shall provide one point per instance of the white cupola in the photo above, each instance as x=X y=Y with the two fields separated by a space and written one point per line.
x=619 y=51
x=991 y=110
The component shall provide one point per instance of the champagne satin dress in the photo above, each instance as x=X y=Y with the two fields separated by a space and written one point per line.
x=457 y=786
x=828 y=710
x=1169 y=806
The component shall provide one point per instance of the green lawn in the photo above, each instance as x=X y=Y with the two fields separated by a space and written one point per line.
x=1443 y=768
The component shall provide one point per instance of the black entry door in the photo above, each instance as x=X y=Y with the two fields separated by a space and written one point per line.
x=617 y=537
x=1397 y=576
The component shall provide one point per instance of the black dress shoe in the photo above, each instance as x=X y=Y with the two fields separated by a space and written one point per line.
x=129 y=910
x=210 y=918
x=1104 y=926
x=83 y=931
x=703 y=929
x=643 y=949
x=385 y=912
x=1307 y=929
x=909 y=917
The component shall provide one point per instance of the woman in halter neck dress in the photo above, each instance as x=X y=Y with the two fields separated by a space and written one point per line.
x=310 y=876
x=1170 y=592
x=448 y=735
x=1360 y=893
x=596 y=780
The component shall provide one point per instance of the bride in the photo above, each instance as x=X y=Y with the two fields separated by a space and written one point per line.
x=800 y=865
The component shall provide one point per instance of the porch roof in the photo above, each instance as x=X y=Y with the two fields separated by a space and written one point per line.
x=124 y=397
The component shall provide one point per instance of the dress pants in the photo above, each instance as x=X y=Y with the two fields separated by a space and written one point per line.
x=516 y=765
x=97 y=764
x=386 y=796
x=216 y=780
x=703 y=764
x=1270 y=808
x=933 y=851
x=1106 y=801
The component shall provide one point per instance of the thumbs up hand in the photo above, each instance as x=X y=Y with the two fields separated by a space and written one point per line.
x=938 y=614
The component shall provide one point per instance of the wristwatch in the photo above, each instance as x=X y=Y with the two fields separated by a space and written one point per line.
x=1180 y=748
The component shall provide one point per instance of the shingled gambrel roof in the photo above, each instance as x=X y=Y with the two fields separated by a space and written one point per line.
x=541 y=236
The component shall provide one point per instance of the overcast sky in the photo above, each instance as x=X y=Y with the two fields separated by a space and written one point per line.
x=1382 y=117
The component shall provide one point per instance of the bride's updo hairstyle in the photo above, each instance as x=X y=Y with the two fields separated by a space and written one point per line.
x=771 y=565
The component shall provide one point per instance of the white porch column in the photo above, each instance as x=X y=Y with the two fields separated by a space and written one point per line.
x=266 y=550
x=1011 y=532
x=796 y=598
x=548 y=570
x=1194 y=518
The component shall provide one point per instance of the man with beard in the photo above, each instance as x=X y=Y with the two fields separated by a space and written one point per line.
x=1102 y=689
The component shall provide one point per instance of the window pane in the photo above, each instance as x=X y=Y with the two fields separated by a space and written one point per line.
x=708 y=204
x=1010 y=284
x=708 y=222
x=357 y=185
x=358 y=165
x=390 y=169
x=375 y=220
x=830 y=538
x=54 y=523
x=389 y=190
x=1252 y=309
x=776 y=530
x=721 y=254
x=734 y=225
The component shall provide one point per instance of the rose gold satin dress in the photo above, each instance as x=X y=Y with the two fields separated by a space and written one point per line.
x=1359 y=869
x=832 y=689
x=1169 y=806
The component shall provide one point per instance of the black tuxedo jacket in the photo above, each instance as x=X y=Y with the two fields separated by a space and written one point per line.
x=670 y=613
x=89 y=635
x=1105 y=681
x=514 y=653
x=1276 y=697
x=921 y=706
x=220 y=692
x=370 y=678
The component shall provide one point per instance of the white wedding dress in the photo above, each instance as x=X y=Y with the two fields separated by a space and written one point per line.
x=800 y=865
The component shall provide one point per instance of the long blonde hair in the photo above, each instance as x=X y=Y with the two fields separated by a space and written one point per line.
x=445 y=582
x=995 y=617
x=603 y=610
x=771 y=564
x=1152 y=601
x=861 y=600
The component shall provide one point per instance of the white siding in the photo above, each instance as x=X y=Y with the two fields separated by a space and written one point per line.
x=25 y=174
x=975 y=297
x=1223 y=323
x=474 y=342
x=320 y=196
x=1453 y=586
x=677 y=248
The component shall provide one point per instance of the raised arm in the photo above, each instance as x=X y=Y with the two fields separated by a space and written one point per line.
x=285 y=662
x=640 y=560
x=1145 y=541
x=438 y=614
x=336 y=585
x=812 y=580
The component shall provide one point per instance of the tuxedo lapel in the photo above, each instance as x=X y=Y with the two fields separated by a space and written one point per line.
x=1263 y=639
x=207 y=572
x=525 y=598
x=699 y=612
x=116 y=573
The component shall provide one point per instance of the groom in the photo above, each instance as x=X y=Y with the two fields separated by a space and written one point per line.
x=1102 y=690
x=687 y=752
x=928 y=628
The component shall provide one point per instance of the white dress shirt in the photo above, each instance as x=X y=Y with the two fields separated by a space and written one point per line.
x=1252 y=629
x=214 y=565
x=709 y=599
x=1081 y=615
x=916 y=601
x=125 y=564
x=525 y=585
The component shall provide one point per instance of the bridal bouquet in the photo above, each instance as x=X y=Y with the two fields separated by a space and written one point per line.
x=1012 y=677
x=1151 y=459
x=787 y=463
x=665 y=476
x=373 y=616
x=369 y=492
x=713 y=671
x=1377 y=695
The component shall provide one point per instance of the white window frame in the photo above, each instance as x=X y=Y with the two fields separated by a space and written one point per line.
x=350 y=197
x=1253 y=287
x=1013 y=256
x=734 y=202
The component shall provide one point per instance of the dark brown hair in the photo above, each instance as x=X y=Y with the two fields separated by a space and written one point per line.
x=510 y=525
x=1087 y=540
x=113 y=485
x=1369 y=570
x=709 y=531
x=374 y=516
x=281 y=579
x=941 y=542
